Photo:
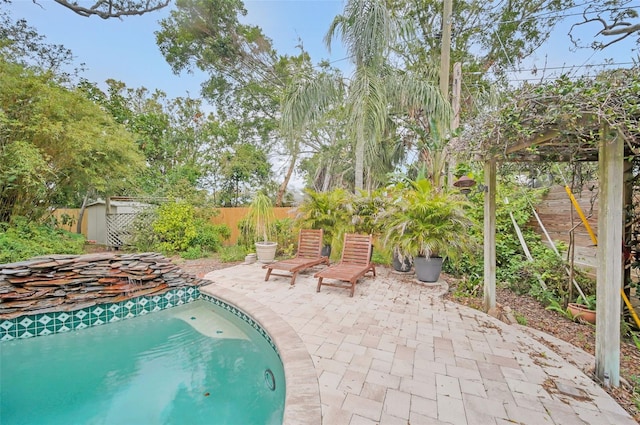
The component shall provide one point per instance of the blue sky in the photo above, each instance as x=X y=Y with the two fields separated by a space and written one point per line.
x=125 y=49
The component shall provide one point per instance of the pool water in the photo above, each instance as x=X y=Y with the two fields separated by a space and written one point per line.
x=193 y=364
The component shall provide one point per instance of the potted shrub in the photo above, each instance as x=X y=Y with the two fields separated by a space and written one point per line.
x=261 y=219
x=427 y=226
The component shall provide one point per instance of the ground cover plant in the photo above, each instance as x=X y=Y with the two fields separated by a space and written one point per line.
x=21 y=239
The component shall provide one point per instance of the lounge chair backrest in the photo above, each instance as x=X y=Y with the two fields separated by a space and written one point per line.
x=357 y=249
x=310 y=243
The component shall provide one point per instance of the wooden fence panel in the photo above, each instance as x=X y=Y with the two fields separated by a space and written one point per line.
x=231 y=217
x=74 y=213
x=555 y=211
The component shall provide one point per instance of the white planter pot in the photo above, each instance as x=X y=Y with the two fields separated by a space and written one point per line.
x=266 y=251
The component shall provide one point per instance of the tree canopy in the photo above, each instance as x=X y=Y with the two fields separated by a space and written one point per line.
x=55 y=145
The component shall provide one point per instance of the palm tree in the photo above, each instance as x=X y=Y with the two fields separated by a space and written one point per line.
x=375 y=88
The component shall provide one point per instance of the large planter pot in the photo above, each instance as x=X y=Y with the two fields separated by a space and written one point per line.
x=428 y=269
x=326 y=251
x=266 y=251
x=403 y=264
x=580 y=312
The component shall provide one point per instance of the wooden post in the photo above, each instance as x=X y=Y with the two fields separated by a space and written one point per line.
x=490 y=235
x=445 y=52
x=609 y=275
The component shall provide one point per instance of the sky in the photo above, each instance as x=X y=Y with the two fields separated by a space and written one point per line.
x=125 y=49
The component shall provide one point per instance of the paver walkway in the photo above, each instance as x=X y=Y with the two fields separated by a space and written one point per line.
x=397 y=353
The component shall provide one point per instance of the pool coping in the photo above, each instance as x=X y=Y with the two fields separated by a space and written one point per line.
x=302 y=396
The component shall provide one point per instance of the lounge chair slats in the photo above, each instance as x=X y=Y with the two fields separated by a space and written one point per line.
x=354 y=263
x=308 y=255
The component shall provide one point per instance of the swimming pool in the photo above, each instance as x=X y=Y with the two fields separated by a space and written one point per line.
x=192 y=364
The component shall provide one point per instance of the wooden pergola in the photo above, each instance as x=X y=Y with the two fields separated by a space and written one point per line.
x=592 y=137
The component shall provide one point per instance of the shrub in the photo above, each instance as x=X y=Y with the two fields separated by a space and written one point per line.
x=21 y=240
x=193 y=253
x=286 y=237
x=209 y=236
x=175 y=226
x=232 y=253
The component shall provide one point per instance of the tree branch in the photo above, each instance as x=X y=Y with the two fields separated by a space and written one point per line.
x=106 y=9
x=619 y=29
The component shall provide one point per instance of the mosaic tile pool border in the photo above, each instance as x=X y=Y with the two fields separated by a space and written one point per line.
x=244 y=316
x=34 y=325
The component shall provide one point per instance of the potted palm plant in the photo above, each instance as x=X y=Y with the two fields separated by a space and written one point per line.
x=324 y=210
x=261 y=219
x=427 y=226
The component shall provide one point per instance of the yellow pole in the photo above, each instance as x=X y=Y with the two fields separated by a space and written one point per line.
x=581 y=214
x=631 y=310
x=595 y=242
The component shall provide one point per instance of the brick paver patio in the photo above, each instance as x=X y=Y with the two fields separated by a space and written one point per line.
x=397 y=353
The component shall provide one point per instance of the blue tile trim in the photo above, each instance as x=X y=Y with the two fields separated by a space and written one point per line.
x=33 y=325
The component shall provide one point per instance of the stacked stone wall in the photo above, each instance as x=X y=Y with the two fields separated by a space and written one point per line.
x=57 y=283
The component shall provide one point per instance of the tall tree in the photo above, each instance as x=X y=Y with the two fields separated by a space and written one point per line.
x=247 y=77
x=181 y=143
x=21 y=43
x=56 y=145
x=374 y=91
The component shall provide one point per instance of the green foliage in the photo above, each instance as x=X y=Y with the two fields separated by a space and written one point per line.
x=612 y=97
x=424 y=222
x=56 y=145
x=324 y=210
x=364 y=208
x=209 y=237
x=381 y=256
x=242 y=166
x=182 y=145
x=286 y=237
x=233 y=253
x=555 y=305
x=247 y=237
x=178 y=227
x=175 y=227
x=589 y=302
x=522 y=320
x=22 y=239
x=261 y=218
x=193 y=253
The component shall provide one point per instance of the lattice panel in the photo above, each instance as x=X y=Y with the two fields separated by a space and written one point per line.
x=120 y=228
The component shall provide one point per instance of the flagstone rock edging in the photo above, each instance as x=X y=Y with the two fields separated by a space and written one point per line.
x=63 y=283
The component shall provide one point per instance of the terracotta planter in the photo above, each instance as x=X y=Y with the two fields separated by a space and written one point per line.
x=581 y=312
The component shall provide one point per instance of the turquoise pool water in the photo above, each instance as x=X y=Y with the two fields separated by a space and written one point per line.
x=193 y=364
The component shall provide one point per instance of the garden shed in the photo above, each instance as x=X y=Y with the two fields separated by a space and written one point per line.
x=109 y=221
x=589 y=119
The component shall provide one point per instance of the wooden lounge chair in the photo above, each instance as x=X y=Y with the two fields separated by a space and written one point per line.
x=355 y=263
x=308 y=255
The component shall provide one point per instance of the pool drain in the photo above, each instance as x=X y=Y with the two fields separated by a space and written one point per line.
x=270 y=379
